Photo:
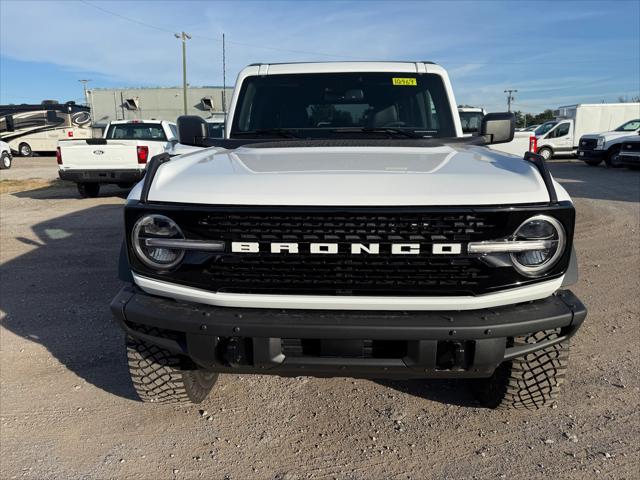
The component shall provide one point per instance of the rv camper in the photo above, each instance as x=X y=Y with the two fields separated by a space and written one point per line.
x=37 y=128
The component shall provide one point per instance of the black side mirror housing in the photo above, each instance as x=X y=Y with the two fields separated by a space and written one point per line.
x=192 y=130
x=498 y=127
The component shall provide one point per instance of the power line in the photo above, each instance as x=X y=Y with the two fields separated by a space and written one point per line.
x=277 y=49
x=335 y=55
x=217 y=40
x=126 y=18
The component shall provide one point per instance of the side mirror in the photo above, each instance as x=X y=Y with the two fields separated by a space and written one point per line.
x=192 y=130
x=498 y=127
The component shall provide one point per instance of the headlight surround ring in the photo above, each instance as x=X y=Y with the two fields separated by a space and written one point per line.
x=538 y=269
x=164 y=228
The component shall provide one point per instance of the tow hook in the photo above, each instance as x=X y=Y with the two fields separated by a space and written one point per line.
x=234 y=352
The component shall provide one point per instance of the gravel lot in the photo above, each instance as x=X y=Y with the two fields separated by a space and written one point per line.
x=68 y=410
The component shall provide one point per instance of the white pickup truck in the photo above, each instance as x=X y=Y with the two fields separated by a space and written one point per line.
x=119 y=157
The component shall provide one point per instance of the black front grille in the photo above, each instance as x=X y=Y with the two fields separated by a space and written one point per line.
x=345 y=273
x=588 y=143
x=630 y=147
x=343 y=228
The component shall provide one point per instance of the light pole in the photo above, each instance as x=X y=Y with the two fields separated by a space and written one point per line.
x=84 y=82
x=510 y=97
x=184 y=37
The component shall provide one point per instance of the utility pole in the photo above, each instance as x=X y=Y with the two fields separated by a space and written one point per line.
x=84 y=82
x=184 y=37
x=224 y=81
x=510 y=97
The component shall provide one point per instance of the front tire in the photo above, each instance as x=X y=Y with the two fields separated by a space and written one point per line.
x=5 y=161
x=160 y=376
x=528 y=382
x=612 y=157
x=24 y=149
x=89 y=190
x=545 y=153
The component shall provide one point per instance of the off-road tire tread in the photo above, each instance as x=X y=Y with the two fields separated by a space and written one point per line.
x=529 y=382
x=159 y=376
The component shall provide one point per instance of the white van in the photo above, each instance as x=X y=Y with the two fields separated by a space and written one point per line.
x=574 y=121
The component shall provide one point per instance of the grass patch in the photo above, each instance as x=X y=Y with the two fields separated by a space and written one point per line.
x=12 y=186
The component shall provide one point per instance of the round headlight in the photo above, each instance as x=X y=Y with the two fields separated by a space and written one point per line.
x=551 y=235
x=156 y=227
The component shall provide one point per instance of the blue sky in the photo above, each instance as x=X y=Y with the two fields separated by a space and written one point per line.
x=554 y=53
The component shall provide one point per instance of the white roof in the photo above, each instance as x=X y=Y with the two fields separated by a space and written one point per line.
x=330 y=67
x=139 y=120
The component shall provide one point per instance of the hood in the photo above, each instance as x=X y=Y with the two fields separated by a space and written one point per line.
x=348 y=176
x=608 y=135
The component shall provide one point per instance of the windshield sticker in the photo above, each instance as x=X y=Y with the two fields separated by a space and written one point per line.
x=410 y=82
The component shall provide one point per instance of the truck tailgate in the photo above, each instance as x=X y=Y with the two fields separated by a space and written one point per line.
x=113 y=154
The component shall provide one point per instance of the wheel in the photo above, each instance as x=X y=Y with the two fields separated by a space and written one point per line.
x=160 y=376
x=530 y=382
x=24 y=149
x=545 y=153
x=5 y=161
x=125 y=185
x=88 y=190
x=593 y=162
x=612 y=157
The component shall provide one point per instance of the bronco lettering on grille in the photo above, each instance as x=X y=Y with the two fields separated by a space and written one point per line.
x=354 y=248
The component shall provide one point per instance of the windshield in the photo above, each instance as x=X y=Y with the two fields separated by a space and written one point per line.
x=321 y=105
x=470 y=121
x=136 y=131
x=630 y=126
x=544 y=128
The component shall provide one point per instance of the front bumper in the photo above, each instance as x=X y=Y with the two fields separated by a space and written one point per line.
x=629 y=159
x=591 y=154
x=101 y=176
x=369 y=344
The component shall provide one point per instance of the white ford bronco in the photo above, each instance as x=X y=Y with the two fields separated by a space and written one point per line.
x=344 y=226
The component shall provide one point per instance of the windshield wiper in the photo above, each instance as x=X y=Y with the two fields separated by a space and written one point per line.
x=283 y=132
x=392 y=131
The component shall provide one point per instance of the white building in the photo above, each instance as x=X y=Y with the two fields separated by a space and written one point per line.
x=109 y=104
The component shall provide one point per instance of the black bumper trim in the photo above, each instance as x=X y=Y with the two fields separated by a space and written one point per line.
x=629 y=160
x=101 y=176
x=199 y=330
x=591 y=154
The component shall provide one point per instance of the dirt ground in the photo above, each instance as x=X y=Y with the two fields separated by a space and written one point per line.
x=68 y=409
